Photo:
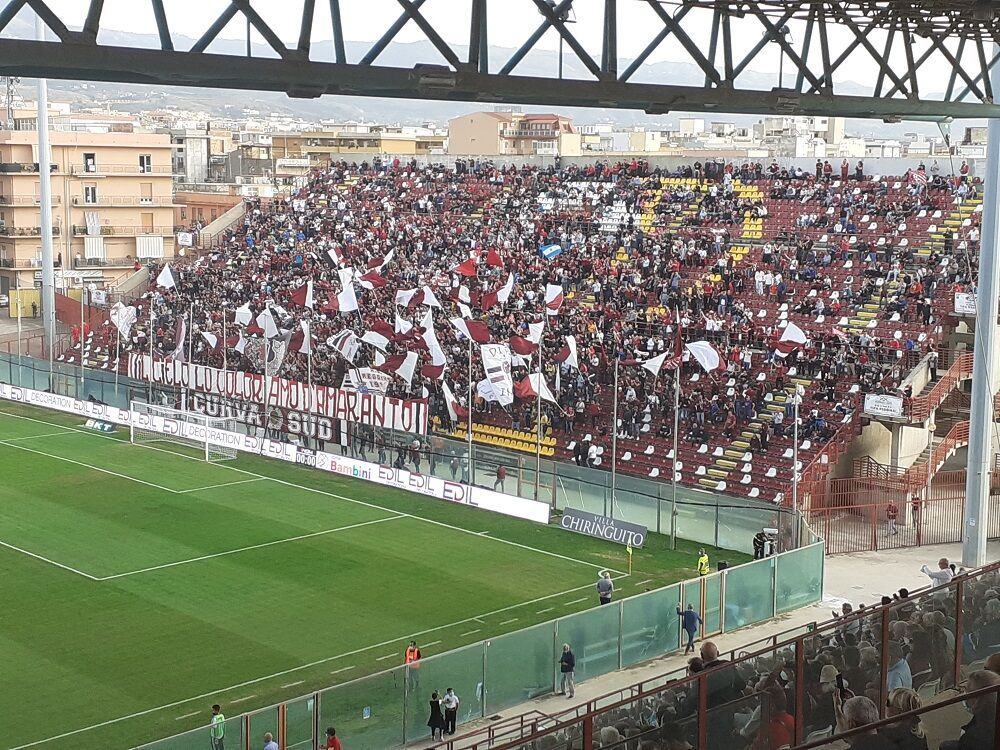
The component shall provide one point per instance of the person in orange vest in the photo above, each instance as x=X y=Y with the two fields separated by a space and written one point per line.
x=412 y=660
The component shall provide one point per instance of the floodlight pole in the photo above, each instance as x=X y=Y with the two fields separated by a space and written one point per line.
x=614 y=443
x=977 y=490
x=673 y=463
x=45 y=217
x=795 y=451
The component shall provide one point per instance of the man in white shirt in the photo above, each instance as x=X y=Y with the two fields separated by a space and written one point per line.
x=942 y=575
x=450 y=703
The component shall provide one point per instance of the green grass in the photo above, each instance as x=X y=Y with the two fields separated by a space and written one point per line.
x=129 y=589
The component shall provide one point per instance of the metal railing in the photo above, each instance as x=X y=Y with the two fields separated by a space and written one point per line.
x=26 y=200
x=111 y=201
x=107 y=230
x=8 y=231
x=126 y=262
x=101 y=168
x=710 y=695
x=921 y=406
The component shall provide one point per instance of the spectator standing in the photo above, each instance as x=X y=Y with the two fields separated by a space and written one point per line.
x=567 y=668
x=690 y=620
x=269 y=743
x=332 y=741
x=501 y=475
x=605 y=587
x=436 y=721
x=412 y=661
x=891 y=514
x=217 y=728
x=450 y=703
x=942 y=575
x=899 y=675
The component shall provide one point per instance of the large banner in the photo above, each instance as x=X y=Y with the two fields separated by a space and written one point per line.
x=443 y=489
x=883 y=405
x=336 y=403
x=965 y=303
x=289 y=421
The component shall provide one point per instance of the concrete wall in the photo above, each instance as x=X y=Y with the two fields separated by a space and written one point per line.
x=875 y=441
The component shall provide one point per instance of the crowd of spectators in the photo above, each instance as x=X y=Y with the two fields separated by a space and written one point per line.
x=648 y=256
x=752 y=700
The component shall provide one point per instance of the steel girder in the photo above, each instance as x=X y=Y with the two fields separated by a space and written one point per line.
x=711 y=36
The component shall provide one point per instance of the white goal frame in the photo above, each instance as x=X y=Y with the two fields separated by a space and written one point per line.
x=151 y=423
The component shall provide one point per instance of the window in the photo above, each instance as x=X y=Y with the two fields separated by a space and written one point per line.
x=184 y=213
x=90 y=193
x=90 y=162
x=146 y=220
x=215 y=214
x=145 y=163
x=146 y=193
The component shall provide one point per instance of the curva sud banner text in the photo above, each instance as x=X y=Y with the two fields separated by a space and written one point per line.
x=442 y=489
x=335 y=403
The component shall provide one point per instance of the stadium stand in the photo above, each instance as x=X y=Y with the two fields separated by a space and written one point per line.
x=835 y=285
x=926 y=649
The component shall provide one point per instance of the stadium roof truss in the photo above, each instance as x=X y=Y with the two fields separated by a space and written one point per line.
x=923 y=58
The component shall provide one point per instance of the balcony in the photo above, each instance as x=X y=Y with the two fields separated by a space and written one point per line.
x=26 y=263
x=18 y=166
x=102 y=170
x=26 y=200
x=127 y=262
x=123 y=201
x=110 y=230
x=25 y=231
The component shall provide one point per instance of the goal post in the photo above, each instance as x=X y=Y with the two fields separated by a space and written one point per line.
x=152 y=423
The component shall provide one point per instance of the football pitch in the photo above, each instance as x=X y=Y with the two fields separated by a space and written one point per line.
x=142 y=584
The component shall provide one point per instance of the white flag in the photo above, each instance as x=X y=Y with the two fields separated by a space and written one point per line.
x=403 y=296
x=166 y=278
x=375 y=339
x=553 y=298
x=540 y=388
x=793 y=333
x=405 y=370
x=429 y=298
x=503 y=293
x=403 y=326
x=535 y=332
x=431 y=339
x=655 y=364
x=123 y=317
x=243 y=314
x=266 y=322
x=706 y=354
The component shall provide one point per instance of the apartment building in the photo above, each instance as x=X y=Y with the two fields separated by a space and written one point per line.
x=112 y=204
x=320 y=146
x=513 y=134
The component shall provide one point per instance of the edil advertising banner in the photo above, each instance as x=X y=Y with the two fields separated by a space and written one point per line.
x=424 y=484
x=602 y=527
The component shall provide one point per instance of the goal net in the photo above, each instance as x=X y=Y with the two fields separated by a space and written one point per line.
x=154 y=423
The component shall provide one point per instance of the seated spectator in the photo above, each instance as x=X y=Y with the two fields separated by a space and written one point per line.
x=978 y=734
x=855 y=713
x=906 y=734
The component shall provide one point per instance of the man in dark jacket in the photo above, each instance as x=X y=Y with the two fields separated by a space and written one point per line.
x=978 y=733
x=567 y=666
x=690 y=620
